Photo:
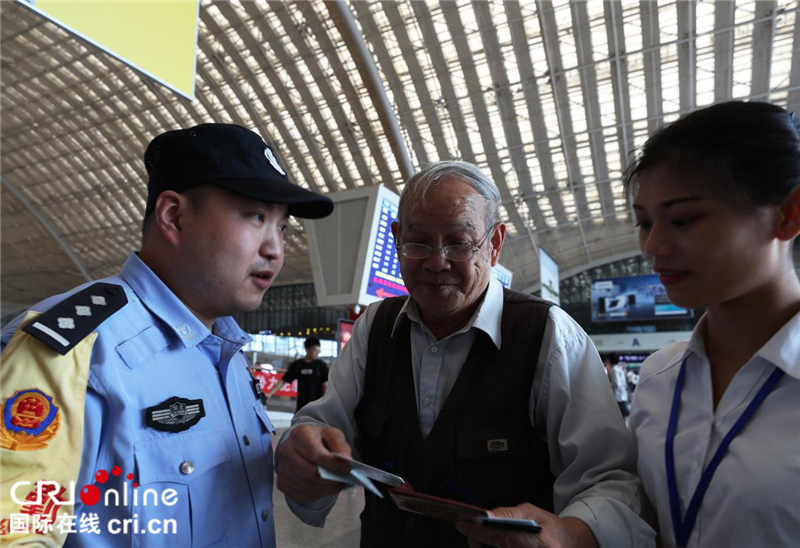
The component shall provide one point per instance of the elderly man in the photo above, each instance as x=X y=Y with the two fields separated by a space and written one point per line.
x=148 y=429
x=470 y=392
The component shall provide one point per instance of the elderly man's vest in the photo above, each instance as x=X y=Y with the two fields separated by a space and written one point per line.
x=482 y=449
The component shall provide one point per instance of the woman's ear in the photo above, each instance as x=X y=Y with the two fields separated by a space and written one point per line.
x=789 y=226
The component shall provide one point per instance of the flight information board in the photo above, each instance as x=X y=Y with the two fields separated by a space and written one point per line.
x=384 y=268
x=503 y=275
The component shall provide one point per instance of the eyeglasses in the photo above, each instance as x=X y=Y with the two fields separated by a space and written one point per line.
x=460 y=252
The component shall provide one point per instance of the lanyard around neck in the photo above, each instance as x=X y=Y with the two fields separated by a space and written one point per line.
x=683 y=528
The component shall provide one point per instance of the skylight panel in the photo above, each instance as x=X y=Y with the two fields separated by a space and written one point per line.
x=743 y=49
x=782 y=50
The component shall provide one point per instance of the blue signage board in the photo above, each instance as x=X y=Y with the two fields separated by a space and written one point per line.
x=384 y=267
x=503 y=276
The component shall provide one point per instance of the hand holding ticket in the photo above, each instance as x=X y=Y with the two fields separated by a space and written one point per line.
x=361 y=474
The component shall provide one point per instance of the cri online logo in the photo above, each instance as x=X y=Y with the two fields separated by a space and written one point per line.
x=89 y=494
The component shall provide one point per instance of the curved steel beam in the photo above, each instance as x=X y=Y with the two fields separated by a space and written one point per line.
x=48 y=226
x=369 y=73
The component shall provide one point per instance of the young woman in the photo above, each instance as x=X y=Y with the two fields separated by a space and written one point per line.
x=717 y=418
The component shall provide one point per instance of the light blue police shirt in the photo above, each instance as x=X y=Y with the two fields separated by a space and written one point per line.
x=151 y=350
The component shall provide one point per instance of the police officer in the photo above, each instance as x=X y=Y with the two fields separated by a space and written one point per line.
x=129 y=415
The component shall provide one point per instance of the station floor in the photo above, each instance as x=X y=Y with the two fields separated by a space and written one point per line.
x=342 y=528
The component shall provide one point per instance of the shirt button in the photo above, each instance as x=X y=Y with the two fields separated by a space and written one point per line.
x=187 y=467
x=434 y=349
x=184 y=330
x=246 y=440
x=265 y=515
x=427 y=401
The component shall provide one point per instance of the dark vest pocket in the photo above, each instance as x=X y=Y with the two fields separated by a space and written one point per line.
x=492 y=439
x=195 y=465
x=494 y=462
x=370 y=419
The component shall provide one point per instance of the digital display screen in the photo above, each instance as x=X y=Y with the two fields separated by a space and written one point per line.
x=503 y=277
x=548 y=274
x=384 y=268
x=345 y=332
x=633 y=298
x=633 y=358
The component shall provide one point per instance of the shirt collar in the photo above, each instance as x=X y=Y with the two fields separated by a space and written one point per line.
x=697 y=342
x=487 y=317
x=782 y=350
x=165 y=305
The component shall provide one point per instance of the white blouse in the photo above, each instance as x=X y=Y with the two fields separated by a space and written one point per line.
x=754 y=498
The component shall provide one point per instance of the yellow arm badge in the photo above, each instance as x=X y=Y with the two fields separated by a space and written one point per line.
x=30 y=420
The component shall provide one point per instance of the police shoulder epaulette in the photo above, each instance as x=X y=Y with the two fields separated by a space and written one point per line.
x=71 y=320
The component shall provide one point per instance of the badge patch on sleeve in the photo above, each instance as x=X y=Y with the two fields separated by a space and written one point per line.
x=30 y=420
x=175 y=414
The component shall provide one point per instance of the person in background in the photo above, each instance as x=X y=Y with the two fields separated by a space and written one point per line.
x=137 y=383
x=311 y=375
x=619 y=383
x=716 y=418
x=469 y=391
x=633 y=380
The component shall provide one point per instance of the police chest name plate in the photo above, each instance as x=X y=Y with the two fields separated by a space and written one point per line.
x=306 y=371
x=175 y=414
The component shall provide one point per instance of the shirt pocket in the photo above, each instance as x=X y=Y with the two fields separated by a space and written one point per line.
x=266 y=429
x=371 y=419
x=196 y=467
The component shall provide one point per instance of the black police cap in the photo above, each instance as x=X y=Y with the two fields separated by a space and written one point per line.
x=230 y=157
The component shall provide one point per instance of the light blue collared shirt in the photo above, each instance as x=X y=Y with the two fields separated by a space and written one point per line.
x=151 y=350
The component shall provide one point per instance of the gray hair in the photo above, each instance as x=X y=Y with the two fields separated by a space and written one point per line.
x=420 y=183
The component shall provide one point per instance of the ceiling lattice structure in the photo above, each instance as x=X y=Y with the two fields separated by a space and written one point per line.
x=551 y=99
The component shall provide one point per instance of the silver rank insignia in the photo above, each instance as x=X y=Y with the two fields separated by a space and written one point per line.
x=175 y=414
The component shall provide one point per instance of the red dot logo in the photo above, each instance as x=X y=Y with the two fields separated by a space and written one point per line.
x=135 y=484
x=129 y=476
x=101 y=476
x=116 y=470
x=90 y=495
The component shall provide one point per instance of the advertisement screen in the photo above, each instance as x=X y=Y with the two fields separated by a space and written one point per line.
x=548 y=273
x=269 y=379
x=633 y=298
x=345 y=332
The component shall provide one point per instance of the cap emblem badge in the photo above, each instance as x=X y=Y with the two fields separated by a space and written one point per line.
x=273 y=161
